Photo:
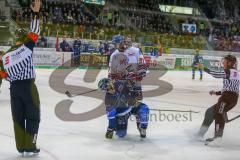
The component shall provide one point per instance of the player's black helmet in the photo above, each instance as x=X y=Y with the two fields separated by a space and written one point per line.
x=232 y=59
x=103 y=84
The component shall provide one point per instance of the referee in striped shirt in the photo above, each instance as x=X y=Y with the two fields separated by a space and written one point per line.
x=25 y=103
x=227 y=101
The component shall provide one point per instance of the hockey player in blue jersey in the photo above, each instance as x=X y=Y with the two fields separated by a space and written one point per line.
x=197 y=64
x=120 y=101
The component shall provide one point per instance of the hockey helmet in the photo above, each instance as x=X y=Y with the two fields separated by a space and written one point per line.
x=232 y=59
x=128 y=42
x=103 y=84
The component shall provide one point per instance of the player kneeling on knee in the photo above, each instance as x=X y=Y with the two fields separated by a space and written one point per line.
x=119 y=107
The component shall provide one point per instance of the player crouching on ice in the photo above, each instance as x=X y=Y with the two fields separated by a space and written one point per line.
x=228 y=100
x=121 y=103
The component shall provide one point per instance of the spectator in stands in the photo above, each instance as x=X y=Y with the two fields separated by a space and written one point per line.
x=101 y=48
x=106 y=47
x=76 y=51
x=64 y=45
x=43 y=41
x=153 y=52
x=201 y=28
x=77 y=42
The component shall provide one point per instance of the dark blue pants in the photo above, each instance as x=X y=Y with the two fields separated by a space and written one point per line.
x=118 y=118
x=25 y=107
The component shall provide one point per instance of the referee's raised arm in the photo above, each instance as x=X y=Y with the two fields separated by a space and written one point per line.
x=34 y=31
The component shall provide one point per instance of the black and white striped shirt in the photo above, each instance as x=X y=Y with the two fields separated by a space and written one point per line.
x=18 y=63
x=230 y=77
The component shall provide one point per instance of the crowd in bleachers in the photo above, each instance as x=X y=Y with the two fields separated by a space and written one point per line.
x=70 y=13
x=220 y=8
x=139 y=4
x=225 y=36
x=224 y=31
x=99 y=20
x=58 y=12
x=152 y=4
x=154 y=22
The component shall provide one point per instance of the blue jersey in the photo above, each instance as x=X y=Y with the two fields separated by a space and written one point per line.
x=198 y=59
x=122 y=97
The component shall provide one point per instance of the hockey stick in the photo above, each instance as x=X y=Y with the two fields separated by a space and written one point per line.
x=164 y=110
x=71 y=95
x=230 y=120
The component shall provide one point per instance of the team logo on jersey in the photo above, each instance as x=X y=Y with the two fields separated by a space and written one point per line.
x=123 y=62
x=16 y=56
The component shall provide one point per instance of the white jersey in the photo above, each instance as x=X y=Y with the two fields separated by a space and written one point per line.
x=118 y=62
x=134 y=56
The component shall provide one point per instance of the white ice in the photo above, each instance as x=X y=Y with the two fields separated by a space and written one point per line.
x=60 y=140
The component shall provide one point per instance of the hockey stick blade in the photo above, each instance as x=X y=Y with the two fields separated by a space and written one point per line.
x=70 y=95
x=230 y=120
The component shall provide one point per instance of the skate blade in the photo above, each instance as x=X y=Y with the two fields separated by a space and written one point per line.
x=29 y=155
x=212 y=144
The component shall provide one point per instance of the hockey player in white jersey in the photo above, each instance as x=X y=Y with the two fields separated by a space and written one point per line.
x=137 y=63
x=137 y=69
x=118 y=63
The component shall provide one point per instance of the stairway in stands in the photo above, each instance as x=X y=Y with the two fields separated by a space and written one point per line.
x=5 y=23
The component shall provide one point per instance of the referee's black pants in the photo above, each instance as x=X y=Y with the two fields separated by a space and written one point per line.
x=217 y=112
x=25 y=107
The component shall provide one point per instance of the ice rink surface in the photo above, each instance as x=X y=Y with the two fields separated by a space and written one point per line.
x=166 y=139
